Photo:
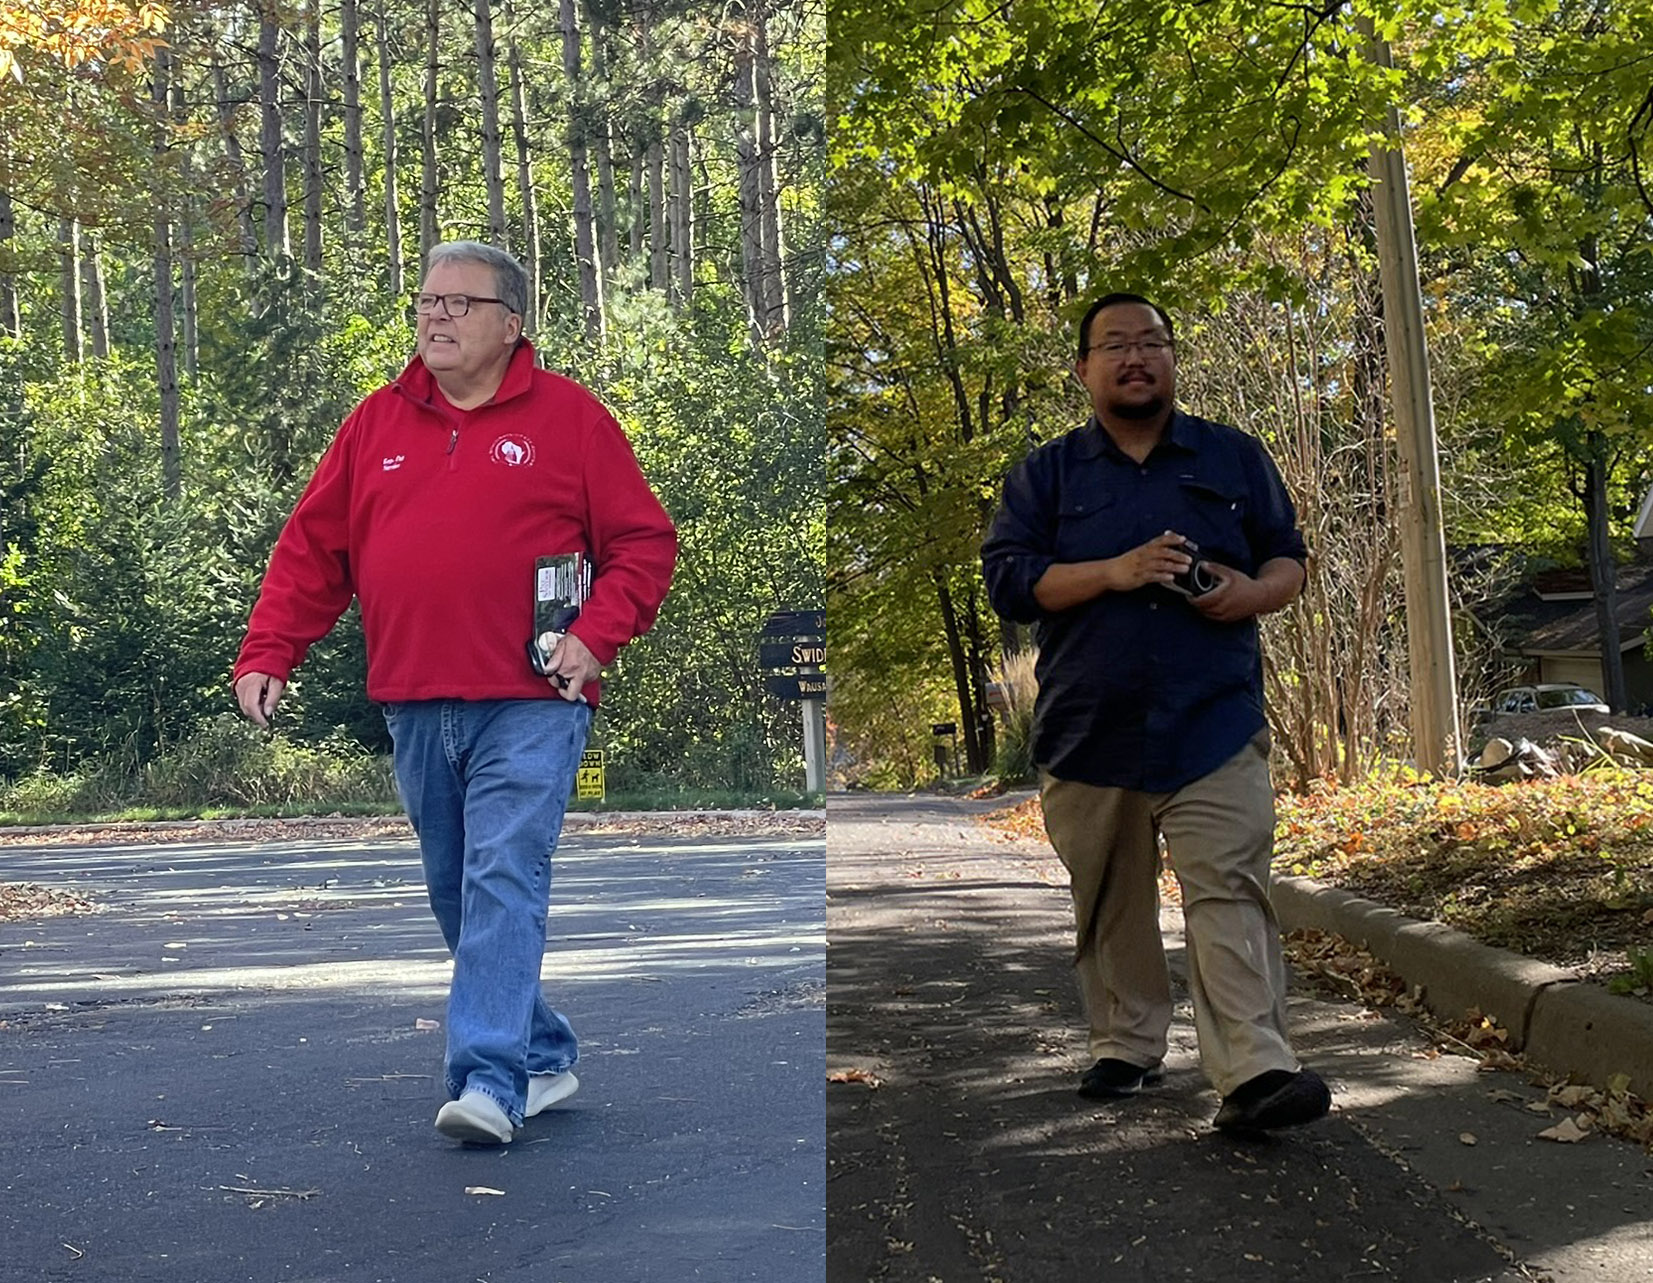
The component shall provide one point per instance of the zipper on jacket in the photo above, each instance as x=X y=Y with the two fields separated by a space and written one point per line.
x=453 y=441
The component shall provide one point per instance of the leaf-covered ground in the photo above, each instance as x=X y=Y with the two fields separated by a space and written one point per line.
x=1560 y=869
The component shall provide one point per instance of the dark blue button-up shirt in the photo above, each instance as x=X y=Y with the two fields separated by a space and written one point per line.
x=1139 y=690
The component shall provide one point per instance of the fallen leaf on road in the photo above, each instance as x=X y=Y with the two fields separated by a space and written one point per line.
x=1467 y=1138
x=1571 y=1097
x=1566 y=1131
x=855 y=1076
x=483 y=1189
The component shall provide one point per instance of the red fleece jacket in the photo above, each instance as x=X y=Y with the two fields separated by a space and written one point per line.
x=433 y=517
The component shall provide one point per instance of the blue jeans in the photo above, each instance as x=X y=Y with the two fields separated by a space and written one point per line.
x=485 y=783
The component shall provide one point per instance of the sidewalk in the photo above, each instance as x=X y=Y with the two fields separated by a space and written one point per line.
x=974 y=1159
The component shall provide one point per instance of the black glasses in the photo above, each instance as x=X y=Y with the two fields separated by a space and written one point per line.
x=1113 y=351
x=455 y=305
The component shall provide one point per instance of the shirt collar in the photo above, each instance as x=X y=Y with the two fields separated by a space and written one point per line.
x=1181 y=434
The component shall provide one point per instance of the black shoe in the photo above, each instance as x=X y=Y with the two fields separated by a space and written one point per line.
x=1278 y=1098
x=1110 y=1079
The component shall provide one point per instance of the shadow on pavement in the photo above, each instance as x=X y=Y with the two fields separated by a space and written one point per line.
x=974 y=1158
x=222 y=1075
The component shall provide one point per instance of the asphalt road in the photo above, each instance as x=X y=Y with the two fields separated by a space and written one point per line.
x=974 y=1160
x=222 y=1075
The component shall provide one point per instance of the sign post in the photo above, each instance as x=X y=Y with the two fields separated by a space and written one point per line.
x=795 y=641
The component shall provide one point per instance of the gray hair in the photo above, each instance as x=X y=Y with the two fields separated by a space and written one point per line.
x=510 y=277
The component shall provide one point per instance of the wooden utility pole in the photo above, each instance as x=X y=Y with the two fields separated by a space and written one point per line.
x=1435 y=741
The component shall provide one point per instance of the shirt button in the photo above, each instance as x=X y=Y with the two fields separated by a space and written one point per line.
x=1153 y=605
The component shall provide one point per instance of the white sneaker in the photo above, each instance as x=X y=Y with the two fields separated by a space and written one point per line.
x=546 y=1090
x=475 y=1119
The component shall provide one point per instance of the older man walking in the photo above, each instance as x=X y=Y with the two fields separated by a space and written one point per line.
x=432 y=505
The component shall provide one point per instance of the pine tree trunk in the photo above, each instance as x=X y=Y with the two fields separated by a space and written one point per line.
x=487 y=89
x=387 y=111
x=525 y=172
x=682 y=215
x=166 y=372
x=634 y=190
x=238 y=167
x=777 y=312
x=11 y=314
x=748 y=167
x=428 y=230
x=659 y=249
x=602 y=143
x=355 y=204
x=585 y=238
x=186 y=295
x=312 y=146
x=94 y=297
x=186 y=240
x=276 y=242
x=68 y=253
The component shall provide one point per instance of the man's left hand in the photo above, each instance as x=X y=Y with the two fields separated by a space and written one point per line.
x=1236 y=597
x=570 y=667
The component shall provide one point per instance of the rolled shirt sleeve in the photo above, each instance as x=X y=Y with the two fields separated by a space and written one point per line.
x=1020 y=543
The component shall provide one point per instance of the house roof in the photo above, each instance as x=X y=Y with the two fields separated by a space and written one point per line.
x=1569 y=627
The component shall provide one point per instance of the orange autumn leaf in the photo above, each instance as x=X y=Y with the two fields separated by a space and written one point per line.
x=75 y=31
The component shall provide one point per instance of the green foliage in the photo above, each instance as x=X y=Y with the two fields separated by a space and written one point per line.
x=227 y=763
x=1640 y=979
x=994 y=168
x=732 y=444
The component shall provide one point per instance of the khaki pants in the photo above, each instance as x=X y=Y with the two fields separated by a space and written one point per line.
x=1219 y=832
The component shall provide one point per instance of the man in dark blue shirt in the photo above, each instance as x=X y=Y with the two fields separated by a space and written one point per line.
x=1149 y=720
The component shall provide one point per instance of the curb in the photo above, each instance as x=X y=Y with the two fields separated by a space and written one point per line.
x=1568 y=1025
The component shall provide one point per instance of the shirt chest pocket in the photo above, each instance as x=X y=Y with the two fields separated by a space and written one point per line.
x=1090 y=528
x=1214 y=516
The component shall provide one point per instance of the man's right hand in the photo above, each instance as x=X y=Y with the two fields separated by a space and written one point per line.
x=1067 y=584
x=1158 y=561
x=258 y=694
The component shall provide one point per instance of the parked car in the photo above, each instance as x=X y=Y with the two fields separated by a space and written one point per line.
x=1546 y=697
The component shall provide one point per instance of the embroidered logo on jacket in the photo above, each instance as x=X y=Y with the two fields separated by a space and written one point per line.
x=393 y=461
x=513 y=452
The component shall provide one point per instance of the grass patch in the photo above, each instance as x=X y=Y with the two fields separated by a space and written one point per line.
x=231 y=770
x=689 y=799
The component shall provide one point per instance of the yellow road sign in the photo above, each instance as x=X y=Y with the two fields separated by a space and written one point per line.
x=589 y=780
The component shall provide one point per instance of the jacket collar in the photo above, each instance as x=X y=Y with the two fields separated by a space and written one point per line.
x=419 y=383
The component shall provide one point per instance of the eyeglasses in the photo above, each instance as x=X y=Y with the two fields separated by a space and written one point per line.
x=456 y=305
x=1148 y=347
